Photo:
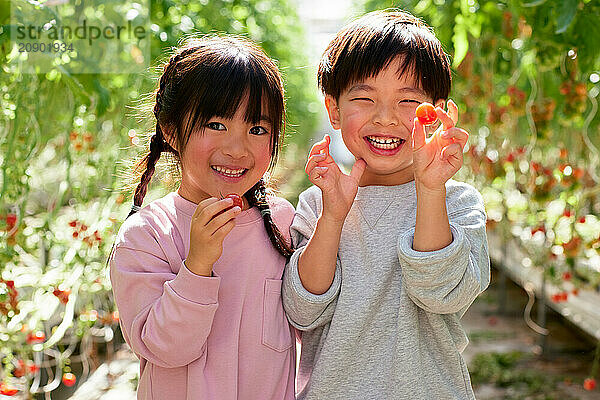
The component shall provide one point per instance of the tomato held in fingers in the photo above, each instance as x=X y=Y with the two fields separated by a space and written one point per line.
x=237 y=200
x=426 y=113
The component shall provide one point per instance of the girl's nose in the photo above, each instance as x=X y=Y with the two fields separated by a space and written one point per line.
x=236 y=147
x=385 y=115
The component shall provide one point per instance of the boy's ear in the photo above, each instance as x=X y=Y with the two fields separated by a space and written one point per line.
x=333 y=111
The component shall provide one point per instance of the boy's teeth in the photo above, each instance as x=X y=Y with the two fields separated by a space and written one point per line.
x=384 y=143
x=229 y=172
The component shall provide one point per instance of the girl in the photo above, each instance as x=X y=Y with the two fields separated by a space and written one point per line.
x=197 y=278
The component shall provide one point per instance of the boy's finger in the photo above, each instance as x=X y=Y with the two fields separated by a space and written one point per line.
x=447 y=122
x=317 y=173
x=358 y=169
x=459 y=135
x=313 y=161
x=418 y=135
x=452 y=150
x=320 y=146
x=453 y=111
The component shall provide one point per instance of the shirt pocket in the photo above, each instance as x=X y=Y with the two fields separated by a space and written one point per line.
x=276 y=332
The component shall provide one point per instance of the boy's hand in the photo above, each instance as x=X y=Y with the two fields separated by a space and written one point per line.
x=338 y=188
x=211 y=222
x=438 y=158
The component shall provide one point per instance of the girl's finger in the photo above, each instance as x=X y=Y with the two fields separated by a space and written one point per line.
x=213 y=209
x=221 y=219
x=418 y=135
x=459 y=135
x=443 y=116
x=203 y=204
x=224 y=230
x=453 y=111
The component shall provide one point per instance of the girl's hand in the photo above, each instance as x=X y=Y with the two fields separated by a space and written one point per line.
x=338 y=188
x=438 y=158
x=211 y=222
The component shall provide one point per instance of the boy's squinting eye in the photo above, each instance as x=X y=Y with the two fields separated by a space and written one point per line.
x=361 y=99
x=258 y=130
x=410 y=101
x=216 y=126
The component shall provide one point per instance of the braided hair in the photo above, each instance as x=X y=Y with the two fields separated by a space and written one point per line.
x=257 y=197
x=209 y=77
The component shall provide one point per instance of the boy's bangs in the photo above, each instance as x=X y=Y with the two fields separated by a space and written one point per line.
x=370 y=46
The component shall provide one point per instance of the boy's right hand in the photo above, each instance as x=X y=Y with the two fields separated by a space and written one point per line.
x=339 y=189
x=211 y=222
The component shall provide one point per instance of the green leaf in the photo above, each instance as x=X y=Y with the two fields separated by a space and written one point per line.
x=461 y=45
x=565 y=14
x=534 y=3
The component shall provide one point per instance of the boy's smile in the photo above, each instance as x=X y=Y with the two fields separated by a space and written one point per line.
x=376 y=121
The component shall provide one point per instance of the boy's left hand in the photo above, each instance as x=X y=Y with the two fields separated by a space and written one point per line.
x=438 y=158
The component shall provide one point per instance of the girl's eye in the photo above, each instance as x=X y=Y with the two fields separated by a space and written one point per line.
x=216 y=126
x=258 y=130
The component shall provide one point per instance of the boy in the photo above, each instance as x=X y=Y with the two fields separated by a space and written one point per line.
x=390 y=256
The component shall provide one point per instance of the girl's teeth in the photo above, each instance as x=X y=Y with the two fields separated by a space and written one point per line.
x=384 y=143
x=229 y=172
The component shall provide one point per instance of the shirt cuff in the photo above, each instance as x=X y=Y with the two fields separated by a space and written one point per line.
x=424 y=258
x=196 y=288
x=304 y=294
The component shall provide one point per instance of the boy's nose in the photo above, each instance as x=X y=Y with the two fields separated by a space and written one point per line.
x=385 y=116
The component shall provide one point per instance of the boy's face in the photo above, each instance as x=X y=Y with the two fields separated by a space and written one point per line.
x=376 y=120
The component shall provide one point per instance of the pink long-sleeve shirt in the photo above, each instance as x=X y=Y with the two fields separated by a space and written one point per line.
x=224 y=337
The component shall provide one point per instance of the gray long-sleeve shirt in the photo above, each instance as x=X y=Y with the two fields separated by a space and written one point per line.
x=389 y=325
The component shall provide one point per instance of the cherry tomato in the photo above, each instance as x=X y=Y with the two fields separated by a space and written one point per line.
x=7 y=390
x=426 y=113
x=37 y=337
x=589 y=384
x=69 y=379
x=237 y=200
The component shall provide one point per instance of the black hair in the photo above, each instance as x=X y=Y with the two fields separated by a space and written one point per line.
x=209 y=77
x=369 y=44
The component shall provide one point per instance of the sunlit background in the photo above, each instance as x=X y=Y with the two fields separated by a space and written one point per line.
x=525 y=77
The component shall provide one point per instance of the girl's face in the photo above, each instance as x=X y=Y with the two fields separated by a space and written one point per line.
x=227 y=156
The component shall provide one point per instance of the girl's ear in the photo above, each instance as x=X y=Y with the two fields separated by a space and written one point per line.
x=333 y=111
x=169 y=136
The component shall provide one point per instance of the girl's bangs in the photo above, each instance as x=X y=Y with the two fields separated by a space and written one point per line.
x=218 y=88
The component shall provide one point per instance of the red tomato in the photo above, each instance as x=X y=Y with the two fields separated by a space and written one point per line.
x=7 y=390
x=69 y=379
x=11 y=220
x=589 y=384
x=426 y=113
x=237 y=200
x=37 y=337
